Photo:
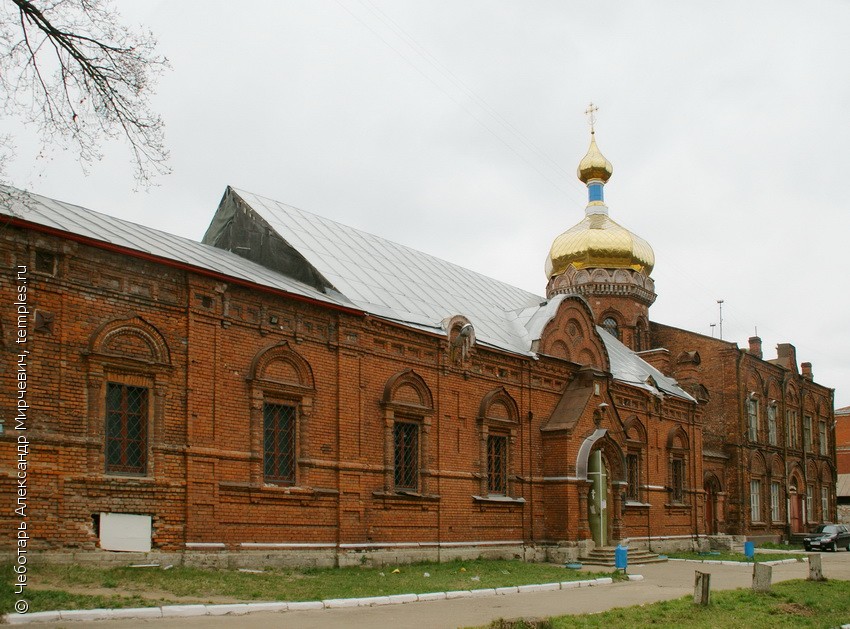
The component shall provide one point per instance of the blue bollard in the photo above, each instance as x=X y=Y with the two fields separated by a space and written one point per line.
x=749 y=550
x=621 y=557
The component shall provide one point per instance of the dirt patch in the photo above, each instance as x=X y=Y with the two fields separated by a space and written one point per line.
x=796 y=609
x=150 y=595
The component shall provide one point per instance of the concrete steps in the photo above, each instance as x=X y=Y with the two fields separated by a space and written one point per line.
x=604 y=556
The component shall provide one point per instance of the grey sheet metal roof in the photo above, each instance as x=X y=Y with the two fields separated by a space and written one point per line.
x=628 y=367
x=375 y=275
x=397 y=282
x=100 y=227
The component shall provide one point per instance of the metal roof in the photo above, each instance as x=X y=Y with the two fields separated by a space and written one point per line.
x=377 y=276
x=108 y=229
x=397 y=282
x=403 y=284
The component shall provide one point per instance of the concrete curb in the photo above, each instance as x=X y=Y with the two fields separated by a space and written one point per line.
x=239 y=609
x=717 y=562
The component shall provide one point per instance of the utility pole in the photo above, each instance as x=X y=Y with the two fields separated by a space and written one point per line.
x=720 y=306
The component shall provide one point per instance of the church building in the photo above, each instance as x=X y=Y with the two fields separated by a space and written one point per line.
x=292 y=390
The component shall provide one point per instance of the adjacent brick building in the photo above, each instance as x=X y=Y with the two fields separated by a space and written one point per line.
x=295 y=390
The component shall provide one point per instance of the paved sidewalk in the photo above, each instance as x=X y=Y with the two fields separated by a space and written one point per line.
x=662 y=582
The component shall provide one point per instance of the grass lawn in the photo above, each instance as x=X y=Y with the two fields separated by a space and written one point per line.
x=726 y=556
x=774 y=546
x=795 y=604
x=81 y=587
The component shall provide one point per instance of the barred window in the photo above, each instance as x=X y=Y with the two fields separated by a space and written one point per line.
x=677 y=480
x=126 y=429
x=497 y=464
x=610 y=325
x=279 y=443
x=633 y=476
x=406 y=441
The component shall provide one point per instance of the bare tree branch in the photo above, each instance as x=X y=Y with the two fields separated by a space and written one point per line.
x=71 y=68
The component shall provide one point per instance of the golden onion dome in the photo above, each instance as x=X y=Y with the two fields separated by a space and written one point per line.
x=594 y=165
x=599 y=242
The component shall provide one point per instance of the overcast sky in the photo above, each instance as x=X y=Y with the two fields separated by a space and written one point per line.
x=455 y=127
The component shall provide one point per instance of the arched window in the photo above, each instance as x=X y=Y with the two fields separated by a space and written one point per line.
x=408 y=407
x=677 y=452
x=635 y=454
x=611 y=326
x=282 y=393
x=128 y=369
x=498 y=418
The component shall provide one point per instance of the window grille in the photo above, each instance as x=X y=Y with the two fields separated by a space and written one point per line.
x=406 y=437
x=126 y=428
x=678 y=480
x=633 y=476
x=497 y=464
x=279 y=443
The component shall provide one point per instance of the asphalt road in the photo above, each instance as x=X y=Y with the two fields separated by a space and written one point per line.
x=661 y=582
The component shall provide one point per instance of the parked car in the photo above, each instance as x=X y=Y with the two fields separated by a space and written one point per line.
x=828 y=537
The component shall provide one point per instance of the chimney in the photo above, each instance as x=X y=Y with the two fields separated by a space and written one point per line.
x=755 y=346
x=787 y=356
x=807 y=370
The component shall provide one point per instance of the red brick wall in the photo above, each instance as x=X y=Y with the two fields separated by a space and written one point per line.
x=197 y=341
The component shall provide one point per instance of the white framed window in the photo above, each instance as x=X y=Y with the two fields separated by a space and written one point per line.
x=771 y=424
x=755 y=500
x=822 y=438
x=753 y=419
x=810 y=504
x=775 y=489
x=807 y=432
x=792 y=434
x=824 y=503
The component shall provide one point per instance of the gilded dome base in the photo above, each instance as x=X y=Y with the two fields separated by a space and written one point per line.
x=607 y=282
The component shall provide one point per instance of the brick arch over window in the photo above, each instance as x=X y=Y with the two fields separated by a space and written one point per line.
x=776 y=467
x=128 y=367
x=636 y=460
x=130 y=338
x=498 y=421
x=282 y=395
x=677 y=439
x=757 y=464
x=634 y=430
x=408 y=408
x=796 y=478
x=678 y=455
x=280 y=364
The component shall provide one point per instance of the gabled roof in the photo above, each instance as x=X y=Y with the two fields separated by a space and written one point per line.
x=121 y=234
x=354 y=270
x=388 y=279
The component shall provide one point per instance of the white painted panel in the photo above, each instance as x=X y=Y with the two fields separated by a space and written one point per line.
x=124 y=531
